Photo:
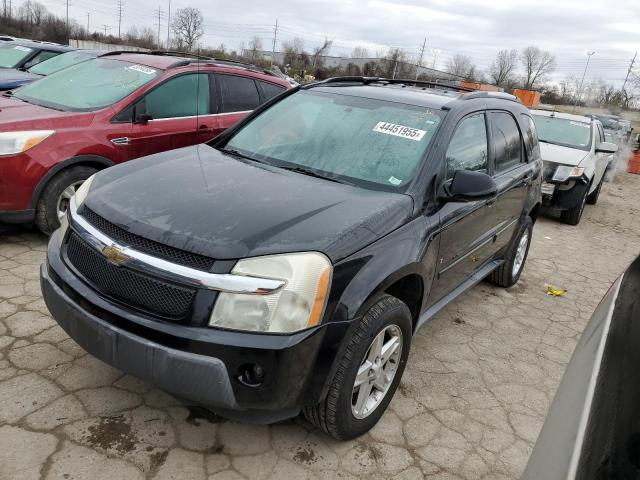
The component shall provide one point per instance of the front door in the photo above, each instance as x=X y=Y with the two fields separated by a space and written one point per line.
x=512 y=174
x=174 y=110
x=464 y=238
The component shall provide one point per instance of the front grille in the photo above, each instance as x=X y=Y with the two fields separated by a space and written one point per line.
x=144 y=245
x=128 y=287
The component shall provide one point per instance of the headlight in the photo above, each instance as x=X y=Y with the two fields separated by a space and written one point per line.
x=12 y=143
x=298 y=305
x=564 y=173
x=83 y=191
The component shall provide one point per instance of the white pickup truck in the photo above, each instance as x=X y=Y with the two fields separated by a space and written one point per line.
x=575 y=156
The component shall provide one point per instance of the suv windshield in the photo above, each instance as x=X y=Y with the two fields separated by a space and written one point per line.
x=59 y=62
x=564 y=132
x=372 y=143
x=88 y=85
x=11 y=55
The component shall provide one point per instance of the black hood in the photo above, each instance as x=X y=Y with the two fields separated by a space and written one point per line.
x=201 y=200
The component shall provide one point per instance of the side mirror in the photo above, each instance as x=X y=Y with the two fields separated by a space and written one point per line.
x=142 y=118
x=467 y=186
x=607 y=147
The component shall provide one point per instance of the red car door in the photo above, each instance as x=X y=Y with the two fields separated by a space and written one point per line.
x=167 y=116
x=236 y=96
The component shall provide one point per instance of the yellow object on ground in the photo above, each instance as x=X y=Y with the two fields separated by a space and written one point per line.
x=555 y=291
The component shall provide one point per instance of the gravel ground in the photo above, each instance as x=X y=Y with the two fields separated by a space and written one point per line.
x=479 y=382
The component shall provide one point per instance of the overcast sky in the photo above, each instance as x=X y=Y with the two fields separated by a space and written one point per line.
x=470 y=27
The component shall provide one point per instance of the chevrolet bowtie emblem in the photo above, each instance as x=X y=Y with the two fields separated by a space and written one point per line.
x=114 y=255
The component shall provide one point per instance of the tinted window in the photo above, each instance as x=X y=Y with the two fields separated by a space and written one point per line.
x=468 y=147
x=61 y=61
x=531 y=139
x=506 y=140
x=183 y=96
x=238 y=93
x=41 y=57
x=270 y=90
x=372 y=143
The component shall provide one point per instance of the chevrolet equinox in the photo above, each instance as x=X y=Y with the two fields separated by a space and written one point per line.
x=286 y=265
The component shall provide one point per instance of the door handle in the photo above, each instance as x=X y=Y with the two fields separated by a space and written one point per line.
x=492 y=201
x=205 y=129
x=527 y=180
x=120 y=141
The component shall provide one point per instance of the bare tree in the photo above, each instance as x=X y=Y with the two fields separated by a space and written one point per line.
x=502 y=69
x=255 y=47
x=359 y=52
x=462 y=66
x=187 y=25
x=537 y=64
x=32 y=12
x=320 y=51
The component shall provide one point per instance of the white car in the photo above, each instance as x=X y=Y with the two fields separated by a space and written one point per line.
x=575 y=156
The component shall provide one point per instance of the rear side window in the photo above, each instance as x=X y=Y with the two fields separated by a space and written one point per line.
x=238 y=94
x=468 y=147
x=183 y=96
x=270 y=90
x=531 y=139
x=506 y=140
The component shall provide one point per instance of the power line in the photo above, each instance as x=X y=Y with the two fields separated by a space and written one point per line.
x=633 y=60
x=159 y=15
x=168 y=23
x=273 y=48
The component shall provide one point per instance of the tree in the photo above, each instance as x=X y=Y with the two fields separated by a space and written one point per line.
x=502 y=69
x=359 y=52
x=462 y=66
x=255 y=47
x=187 y=26
x=32 y=12
x=537 y=64
x=320 y=51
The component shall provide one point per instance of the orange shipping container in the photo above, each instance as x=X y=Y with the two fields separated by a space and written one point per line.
x=529 y=98
x=480 y=86
x=634 y=163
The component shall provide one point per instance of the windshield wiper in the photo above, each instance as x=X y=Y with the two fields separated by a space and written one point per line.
x=312 y=173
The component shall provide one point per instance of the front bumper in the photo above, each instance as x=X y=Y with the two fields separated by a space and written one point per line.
x=198 y=364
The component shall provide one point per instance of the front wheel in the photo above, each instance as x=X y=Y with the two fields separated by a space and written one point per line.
x=573 y=215
x=368 y=373
x=592 y=198
x=507 y=274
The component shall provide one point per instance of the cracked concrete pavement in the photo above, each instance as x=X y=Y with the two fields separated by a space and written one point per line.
x=480 y=379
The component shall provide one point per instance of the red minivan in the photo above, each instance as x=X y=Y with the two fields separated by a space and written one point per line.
x=56 y=132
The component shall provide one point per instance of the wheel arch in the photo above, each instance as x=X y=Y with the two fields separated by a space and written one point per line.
x=95 y=161
x=535 y=210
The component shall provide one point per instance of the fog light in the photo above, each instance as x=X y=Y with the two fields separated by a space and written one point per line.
x=250 y=375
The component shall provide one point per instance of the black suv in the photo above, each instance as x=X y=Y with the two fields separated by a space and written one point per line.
x=286 y=265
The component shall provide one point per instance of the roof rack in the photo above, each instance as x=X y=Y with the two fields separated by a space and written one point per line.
x=391 y=81
x=485 y=94
x=223 y=62
x=159 y=53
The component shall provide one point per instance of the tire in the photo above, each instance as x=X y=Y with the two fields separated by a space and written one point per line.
x=505 y=276
x=573 y=215
x=592 y=198
x=335 y=414
x=47 y=209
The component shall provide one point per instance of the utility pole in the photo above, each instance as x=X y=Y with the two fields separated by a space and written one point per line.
x=67 y=21
x=589 y=53
x=106 y=27
x=88 y=23
x=633 y=60
x=119 y=16
x=159 y=14
x=424 y=44
x=168 y=24
x=273 y=47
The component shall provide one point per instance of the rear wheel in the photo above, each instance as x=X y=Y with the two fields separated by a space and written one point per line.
x=573 y=215
x=368 y=373
x=507 y=274
x=55 y=198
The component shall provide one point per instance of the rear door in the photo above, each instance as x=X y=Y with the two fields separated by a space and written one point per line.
x=512 y=173
x=464 y=238
x=236 y=96
x=174 y=109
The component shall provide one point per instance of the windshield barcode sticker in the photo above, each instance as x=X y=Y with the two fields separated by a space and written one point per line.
x=21 y=48
x=399 y=131
x=580 y=124
x=142 y=69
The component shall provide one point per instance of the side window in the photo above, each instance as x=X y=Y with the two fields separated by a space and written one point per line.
x=531 y=139
x=182 y=96
x=600 y=136
x=468 y=147
x=270 y=90
x=40 y=57
x=506 y=140
x=239 y=94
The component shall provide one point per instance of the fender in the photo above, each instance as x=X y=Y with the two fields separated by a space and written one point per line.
x=93 y=160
